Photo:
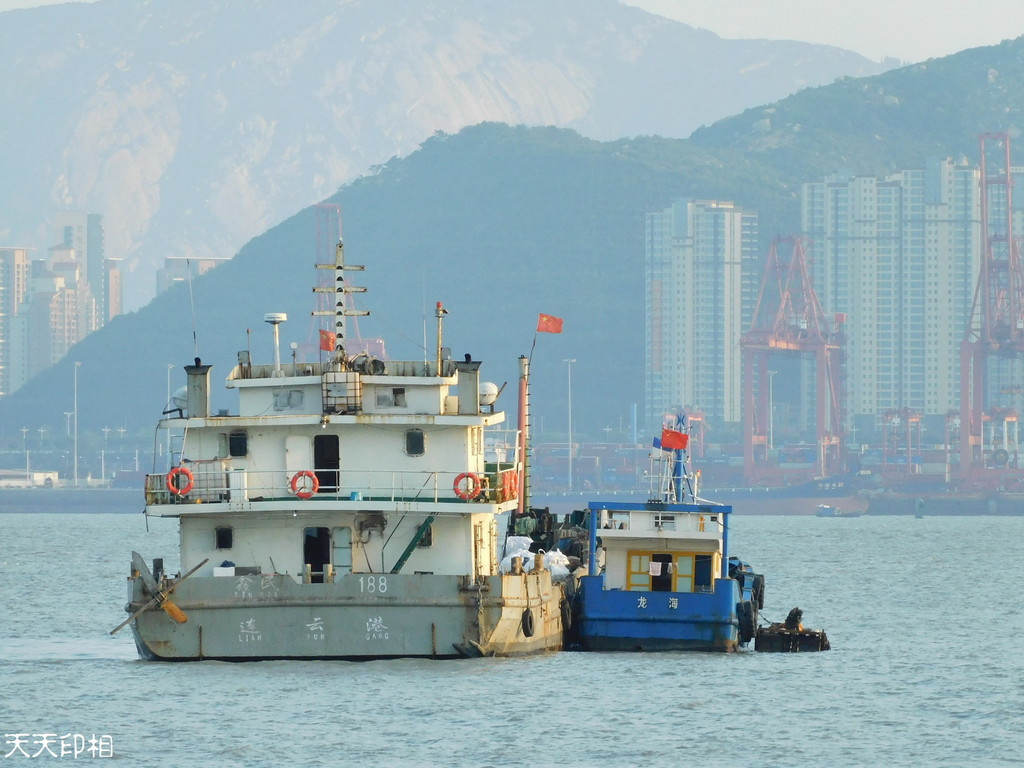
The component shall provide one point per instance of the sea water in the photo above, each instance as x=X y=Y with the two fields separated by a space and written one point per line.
x=925 y=617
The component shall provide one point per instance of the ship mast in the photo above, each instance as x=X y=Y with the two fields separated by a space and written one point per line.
x=341 y=291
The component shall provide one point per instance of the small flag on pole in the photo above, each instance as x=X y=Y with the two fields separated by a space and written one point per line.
x=327 y=341
x=549 y=324
x=672 y=440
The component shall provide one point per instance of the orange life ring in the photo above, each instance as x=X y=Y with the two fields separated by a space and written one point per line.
x=510 y=484
x=305 y=493
x=472 y=489
x=172 y=483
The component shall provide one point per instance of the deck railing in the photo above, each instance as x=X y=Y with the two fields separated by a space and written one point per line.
x=217 y=481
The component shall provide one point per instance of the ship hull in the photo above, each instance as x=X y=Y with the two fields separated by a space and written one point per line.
x=356 y=617
x=930 y=503
x=620 y=620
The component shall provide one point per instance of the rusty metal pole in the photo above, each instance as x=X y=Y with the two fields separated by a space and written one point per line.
x=524 y=427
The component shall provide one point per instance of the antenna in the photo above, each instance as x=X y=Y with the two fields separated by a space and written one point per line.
x=275 y=319
x=340 y=291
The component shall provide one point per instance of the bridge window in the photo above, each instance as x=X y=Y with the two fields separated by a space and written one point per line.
x=415 y=442
x=391 y=397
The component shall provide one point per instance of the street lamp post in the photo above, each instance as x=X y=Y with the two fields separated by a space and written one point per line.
x=103 y=455
x=771 y=410
x=24 y=448
x=568 y=362
x=170 y=367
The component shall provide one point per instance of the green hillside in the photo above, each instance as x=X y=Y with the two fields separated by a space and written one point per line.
x=501 y=223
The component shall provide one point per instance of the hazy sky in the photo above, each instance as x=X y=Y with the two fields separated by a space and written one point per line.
x=909 y=30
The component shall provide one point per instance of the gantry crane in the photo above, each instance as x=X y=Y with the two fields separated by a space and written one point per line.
x=788 y=320
x=995 y=327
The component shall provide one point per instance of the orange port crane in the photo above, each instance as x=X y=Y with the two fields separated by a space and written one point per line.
x=995 y=327
x=788 y=320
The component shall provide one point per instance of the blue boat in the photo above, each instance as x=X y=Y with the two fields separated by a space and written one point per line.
x=659 y=574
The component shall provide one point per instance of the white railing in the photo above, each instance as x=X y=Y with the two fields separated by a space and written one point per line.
x=216 y=481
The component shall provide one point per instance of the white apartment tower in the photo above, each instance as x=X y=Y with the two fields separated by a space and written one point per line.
x=83 y=232
x=15 y=272
x=701 y=274
x=900 y=256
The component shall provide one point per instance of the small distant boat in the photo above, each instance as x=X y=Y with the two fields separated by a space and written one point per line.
x=659 y=573
x=826 y=510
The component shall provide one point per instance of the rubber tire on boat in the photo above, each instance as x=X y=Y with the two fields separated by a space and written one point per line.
x=566 y=616
x=757 y=591
x=528 y=626
x=747 y=619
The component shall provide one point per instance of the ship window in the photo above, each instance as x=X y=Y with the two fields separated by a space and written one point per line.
x=225 y=538
x=393 y=397
x=665 y=522
x=639 y=571
x=238 y=444
x=684 y=573
x=287 y=399
x=427 y=539
x=414 y=442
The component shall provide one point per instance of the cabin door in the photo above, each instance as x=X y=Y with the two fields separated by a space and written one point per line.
x=327 y=461
x=316 y=550
x=661 y=572
x=342 y=551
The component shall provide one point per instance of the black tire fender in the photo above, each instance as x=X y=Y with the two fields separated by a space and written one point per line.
x=757 y=591
x=527 y=622
x=745 y=613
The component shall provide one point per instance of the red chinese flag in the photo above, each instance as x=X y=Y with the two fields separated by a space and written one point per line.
x=326 y=341
x=672 y=440
x=549 y=324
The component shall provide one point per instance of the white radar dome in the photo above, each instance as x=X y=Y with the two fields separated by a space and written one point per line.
x=180 y=397
x=488 y=392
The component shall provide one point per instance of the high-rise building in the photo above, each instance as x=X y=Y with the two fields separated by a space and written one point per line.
x=84 y=233
x=701 y=278
x=48 y=306
x=15 y=269
x=900 y=257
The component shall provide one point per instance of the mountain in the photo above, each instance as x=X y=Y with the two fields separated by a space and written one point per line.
x=501 y=223
x=193 y=125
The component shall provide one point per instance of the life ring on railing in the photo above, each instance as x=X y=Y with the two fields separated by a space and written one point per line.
x=172 y=481
x=473 y=486
x=307 y=490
